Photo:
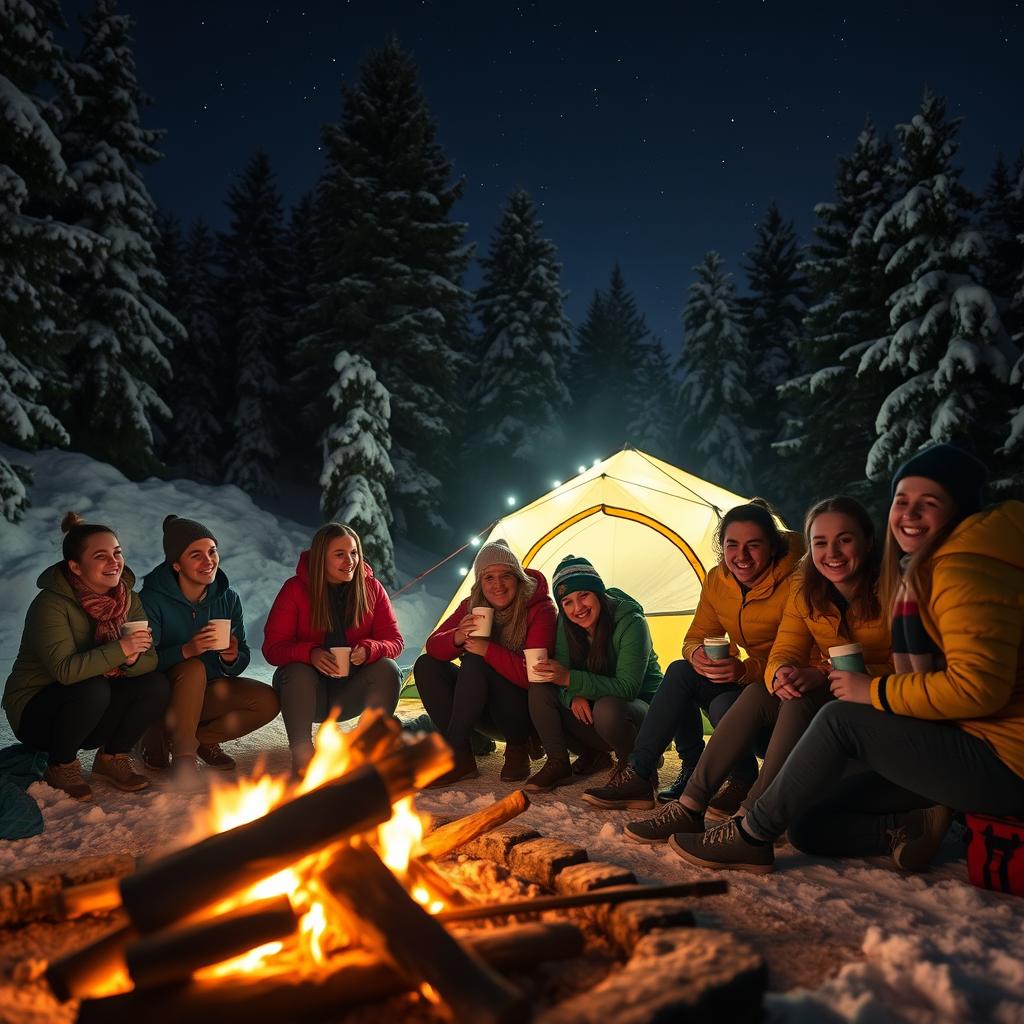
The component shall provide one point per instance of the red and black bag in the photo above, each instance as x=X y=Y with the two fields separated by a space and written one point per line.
x=995 y=853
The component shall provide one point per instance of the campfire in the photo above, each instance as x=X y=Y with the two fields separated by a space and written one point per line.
x=291 y=900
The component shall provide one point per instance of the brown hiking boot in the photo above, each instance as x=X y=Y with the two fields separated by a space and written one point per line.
x=517 y=762
x=119 y=770
x=672 y=818
x=155 y=747
x=465 y=768
x=625 y=789
x=554 y=772
x=726 y=802
x=590 y=762
x=918 y=836
x=215 y=757
x=68 y=779
x=536 y=747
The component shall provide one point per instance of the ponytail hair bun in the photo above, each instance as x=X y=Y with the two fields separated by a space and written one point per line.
x=76 y=531
x=70 y=520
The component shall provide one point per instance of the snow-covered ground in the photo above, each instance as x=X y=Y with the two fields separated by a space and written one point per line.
x=845 y=941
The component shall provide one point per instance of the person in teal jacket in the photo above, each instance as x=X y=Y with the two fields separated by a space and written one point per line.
x=599 y=685
x=210 y=700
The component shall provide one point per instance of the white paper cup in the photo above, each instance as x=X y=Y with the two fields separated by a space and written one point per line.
x=533 y=655
x=342 y=655
x=847 y=658
x=485 y=613
x=223 y=634
x=716 y=647
x=134 y=626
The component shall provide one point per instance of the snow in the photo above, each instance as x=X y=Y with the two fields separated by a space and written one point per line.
x=845 y=941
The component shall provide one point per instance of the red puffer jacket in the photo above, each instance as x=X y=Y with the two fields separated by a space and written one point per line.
x=289 y=635
x=540 y=632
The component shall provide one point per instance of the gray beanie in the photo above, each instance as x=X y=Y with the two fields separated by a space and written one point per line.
x=497 y=552
x=179 y=533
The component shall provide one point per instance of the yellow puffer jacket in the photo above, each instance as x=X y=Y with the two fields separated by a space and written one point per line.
x=975 y=613
x=805 y=636
x=750 y=619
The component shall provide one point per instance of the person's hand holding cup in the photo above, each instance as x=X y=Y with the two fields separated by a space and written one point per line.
x=136 y=639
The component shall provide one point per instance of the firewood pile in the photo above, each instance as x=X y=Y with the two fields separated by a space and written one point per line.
x=306 y=900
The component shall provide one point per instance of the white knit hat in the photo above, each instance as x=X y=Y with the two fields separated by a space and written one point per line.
x=497 y=552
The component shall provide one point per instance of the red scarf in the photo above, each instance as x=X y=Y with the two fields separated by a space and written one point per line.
x=109 y=610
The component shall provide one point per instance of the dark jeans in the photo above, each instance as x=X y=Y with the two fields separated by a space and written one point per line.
x=111 y=713
x=308 y=696
x=912 y=763
x=675 y=711
x=473 y=695
x=615 y=726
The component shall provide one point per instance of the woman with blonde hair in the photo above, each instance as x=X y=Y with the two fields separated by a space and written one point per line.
x=488 y=689
x=332 y=601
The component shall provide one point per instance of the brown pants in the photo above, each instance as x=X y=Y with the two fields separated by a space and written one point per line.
x=753 y=711
x=213 y=711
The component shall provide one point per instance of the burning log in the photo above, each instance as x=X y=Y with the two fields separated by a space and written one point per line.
x=423 y=871
x=350 y=979
x=87 y=969
x=457 y=833
x=35 y=893
x=89 y=898
x=393 y=923
x=613 y=894
x=173 y=955
x=375 y=734
x=209 y=871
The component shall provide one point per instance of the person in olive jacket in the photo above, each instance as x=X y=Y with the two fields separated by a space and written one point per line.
x=81 y=681
x=602 y=679
x=210 y=701
x=944 y=731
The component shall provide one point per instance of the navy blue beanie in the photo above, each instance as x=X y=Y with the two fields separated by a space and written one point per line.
x=959 y=472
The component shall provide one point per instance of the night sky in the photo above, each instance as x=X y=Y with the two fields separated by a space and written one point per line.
x=647 y=132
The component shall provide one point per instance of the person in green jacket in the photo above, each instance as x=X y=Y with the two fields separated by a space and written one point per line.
x=211 y=702
x=601 y=681
x=81 y=680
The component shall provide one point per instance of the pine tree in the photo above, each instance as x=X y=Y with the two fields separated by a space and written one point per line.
x=846 y=272
x=356 y=466
x=607 y=365
x=520 y=395
x=651 y=401
x=34 y=249
x=124 y=334
x=715 y=405
x=773 y=314
x=1012 y=448
x=946 y=341
x=195 y=429
x=390 y=267
x=253 y=325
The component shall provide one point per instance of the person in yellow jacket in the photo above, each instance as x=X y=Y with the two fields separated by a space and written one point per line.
x=744 y=597
x=945 y=730
x=833 y=601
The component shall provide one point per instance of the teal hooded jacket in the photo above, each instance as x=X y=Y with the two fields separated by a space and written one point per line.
x=174 y=619
x=637 y=674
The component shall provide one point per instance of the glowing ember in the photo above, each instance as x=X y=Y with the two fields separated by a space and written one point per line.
x=247 y=963
x=399 y=836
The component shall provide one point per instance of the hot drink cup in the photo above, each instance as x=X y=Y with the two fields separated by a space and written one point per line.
x=485 y=619
x=533 y=655
x=847 y=658
x=222 y=635
x=134 y=626
x=716 y=647
x=342 y=656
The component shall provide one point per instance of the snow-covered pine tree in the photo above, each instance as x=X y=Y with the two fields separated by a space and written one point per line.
x=848 y=313
x=252 y=325
x=773 y=314
x=607 y=367
x=947 y=341
x=124 y=335
x=357 y=469
x=390 y=267
x=715 y=405
x=34 y=250
x=195 y=429
x=523 y=349
x=1011 y=452
x=652 y=402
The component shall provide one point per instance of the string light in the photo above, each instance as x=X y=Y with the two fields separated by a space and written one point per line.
x=595 y=462
x=556 y=483
x=475 y=541
x=510 y=501
x=581 y=469
x=463 y=571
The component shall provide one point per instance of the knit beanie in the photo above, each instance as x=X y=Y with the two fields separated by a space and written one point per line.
x=574 y=574
x=959 y=472
x=179 y=533
x=497 y=552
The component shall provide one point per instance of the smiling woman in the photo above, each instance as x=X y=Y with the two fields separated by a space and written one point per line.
x=84 y=676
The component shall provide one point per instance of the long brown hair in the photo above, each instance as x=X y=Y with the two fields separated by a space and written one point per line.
x=916 y=574
x=815 y=588
x=593 y=655
x=355 y=600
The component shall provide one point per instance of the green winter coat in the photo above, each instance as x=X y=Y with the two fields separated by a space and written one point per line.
x=58 y=644
x=637 y=673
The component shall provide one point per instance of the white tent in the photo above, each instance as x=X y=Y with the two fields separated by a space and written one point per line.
x=647 y=527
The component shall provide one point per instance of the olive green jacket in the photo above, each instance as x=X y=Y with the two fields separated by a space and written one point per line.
x=58 y=644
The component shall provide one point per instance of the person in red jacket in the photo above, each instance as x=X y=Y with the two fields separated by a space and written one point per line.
x=333 y=600
x=488 y=690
